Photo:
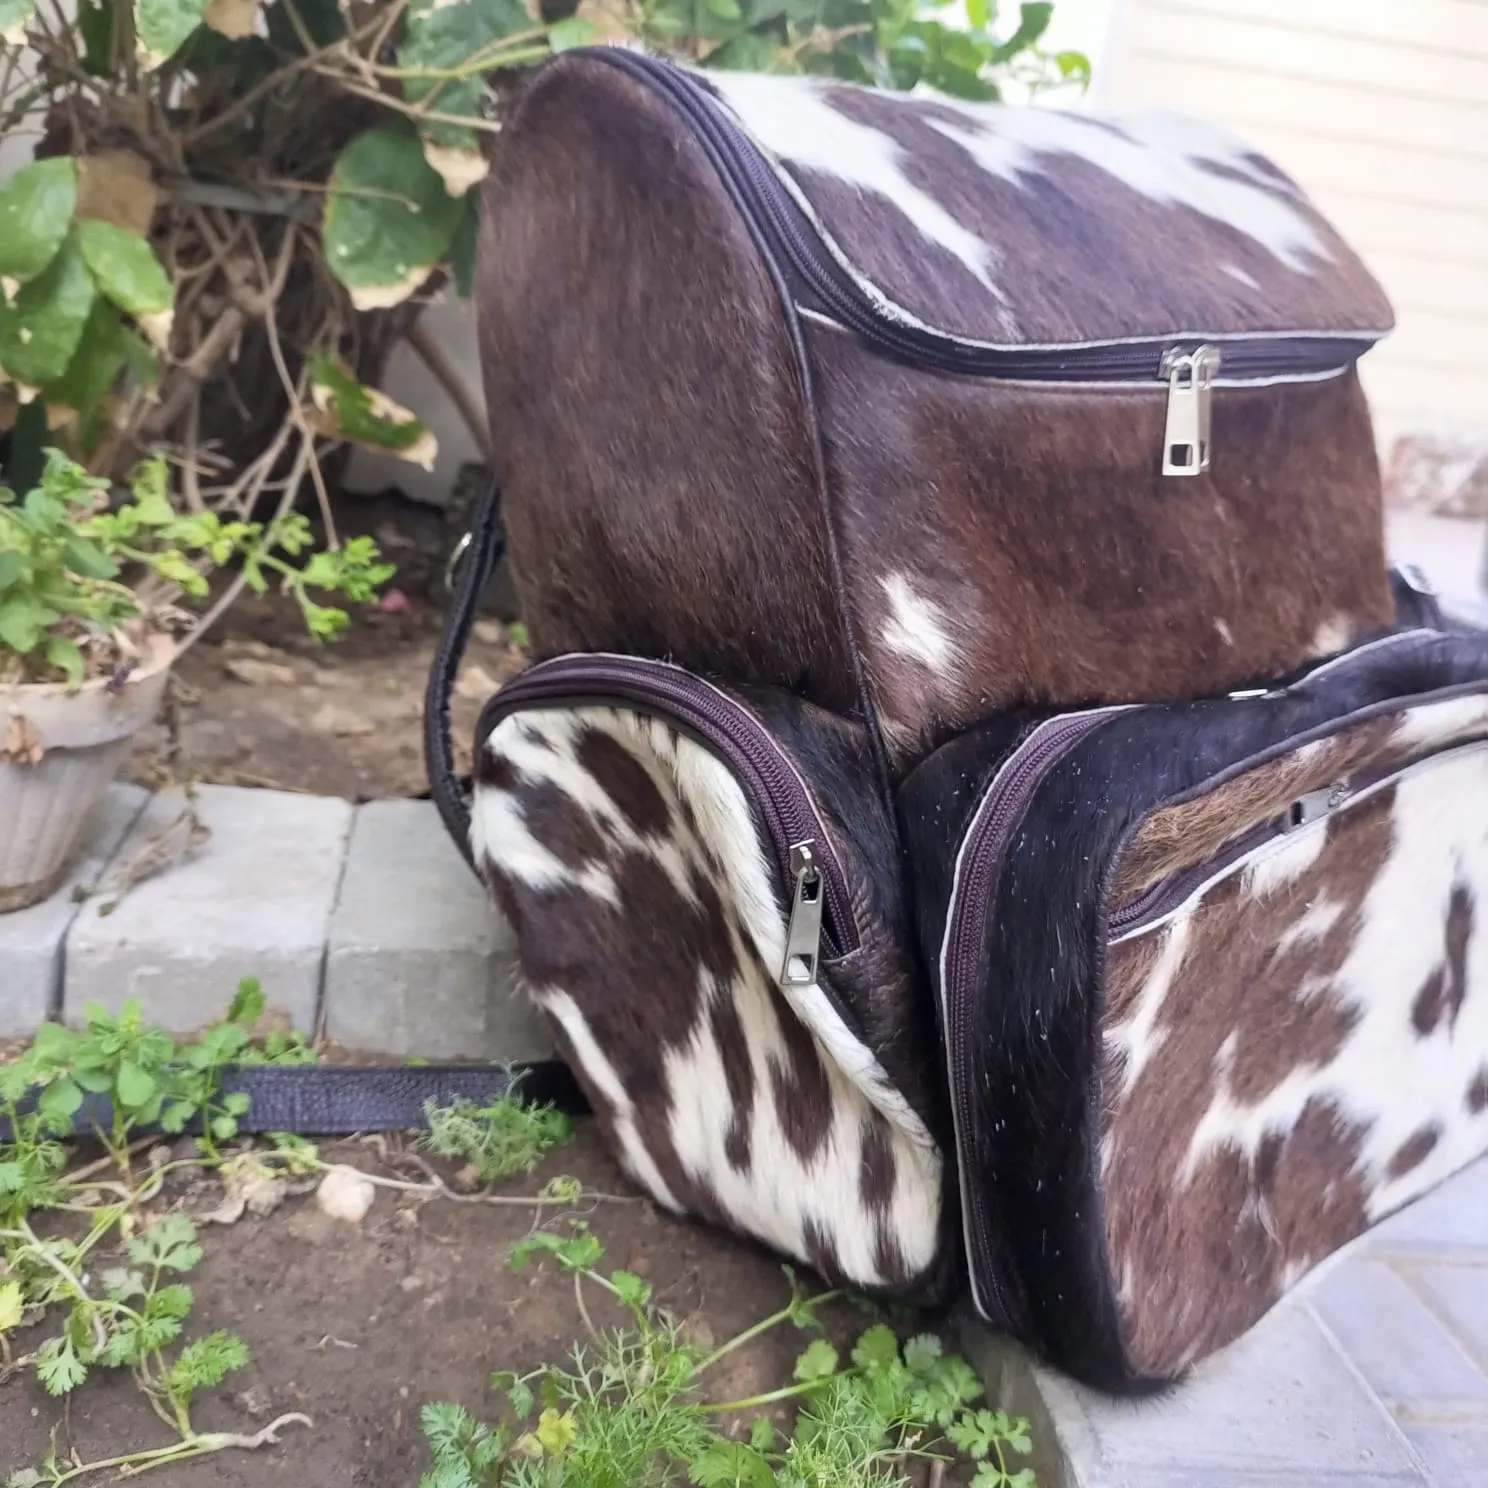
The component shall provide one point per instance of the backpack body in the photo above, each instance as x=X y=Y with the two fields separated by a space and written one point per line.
x=982 y=814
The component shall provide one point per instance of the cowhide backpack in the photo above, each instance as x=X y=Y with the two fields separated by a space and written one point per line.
x=980 y=813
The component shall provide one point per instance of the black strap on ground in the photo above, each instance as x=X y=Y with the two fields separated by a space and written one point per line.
x=323 y=1100
x=476 y=559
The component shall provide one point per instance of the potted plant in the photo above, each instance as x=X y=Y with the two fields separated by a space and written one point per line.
x=95 y=597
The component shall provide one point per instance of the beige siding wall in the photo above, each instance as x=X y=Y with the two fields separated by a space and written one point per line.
x=1379 y=108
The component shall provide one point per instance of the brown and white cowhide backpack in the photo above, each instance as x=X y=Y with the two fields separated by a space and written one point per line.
x=980 y=816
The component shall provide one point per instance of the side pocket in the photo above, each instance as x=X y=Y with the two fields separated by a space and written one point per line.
x=706 y=901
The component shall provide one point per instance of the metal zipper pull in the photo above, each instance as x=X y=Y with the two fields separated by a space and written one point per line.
x=803 y=931
x=1307 y=809
x=1190 y=377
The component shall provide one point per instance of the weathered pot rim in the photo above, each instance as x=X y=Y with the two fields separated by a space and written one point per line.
x=93 y=713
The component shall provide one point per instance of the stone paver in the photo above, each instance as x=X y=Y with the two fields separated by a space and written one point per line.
x=31 y=940
x=255 y=901
x=418 y=961
x=1374 y=1371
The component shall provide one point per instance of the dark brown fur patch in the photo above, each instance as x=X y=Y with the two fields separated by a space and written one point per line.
x=625 y=782
x=1477 y=1093
x=562 y=826
x=1413 y=1151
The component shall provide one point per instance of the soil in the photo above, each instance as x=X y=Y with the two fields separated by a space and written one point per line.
x=264 y=705
x=260 y=703
x=358 y=1325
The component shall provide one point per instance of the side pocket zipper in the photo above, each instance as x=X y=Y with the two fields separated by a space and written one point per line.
x=820 y=921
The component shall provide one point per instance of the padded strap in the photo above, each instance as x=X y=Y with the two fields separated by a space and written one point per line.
x=322 y=1100
x=476 y=559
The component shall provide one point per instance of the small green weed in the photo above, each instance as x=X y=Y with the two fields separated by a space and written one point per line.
x=498 y=1140
x=631 y=1409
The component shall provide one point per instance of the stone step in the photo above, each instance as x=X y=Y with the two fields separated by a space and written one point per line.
x=1372 y=1372
x=360 y=922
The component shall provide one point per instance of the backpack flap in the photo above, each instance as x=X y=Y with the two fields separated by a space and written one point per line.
x=1035 y=244
x=1214 y=989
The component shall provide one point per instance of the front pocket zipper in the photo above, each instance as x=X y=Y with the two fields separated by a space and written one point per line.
x=1160 y=901
x=819 y=910
x=1186 y=365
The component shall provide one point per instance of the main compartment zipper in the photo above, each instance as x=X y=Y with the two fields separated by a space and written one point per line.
x=1162 y=899
x=819 y=909
x=1186 y=364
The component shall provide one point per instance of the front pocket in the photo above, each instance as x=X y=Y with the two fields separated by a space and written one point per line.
x=1071 y=857
x=706 y=901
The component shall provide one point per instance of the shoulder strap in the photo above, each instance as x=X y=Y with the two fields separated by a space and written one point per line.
x=322 y=1100
x=472 y=565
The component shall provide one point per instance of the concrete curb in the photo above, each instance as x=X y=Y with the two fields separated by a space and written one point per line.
x=362 y=922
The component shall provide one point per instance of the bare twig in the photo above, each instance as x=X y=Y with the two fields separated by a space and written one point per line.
x=470 y=407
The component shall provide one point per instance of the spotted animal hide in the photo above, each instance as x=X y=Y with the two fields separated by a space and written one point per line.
x=1232 y=994
x=651 y=924
x=971 y=542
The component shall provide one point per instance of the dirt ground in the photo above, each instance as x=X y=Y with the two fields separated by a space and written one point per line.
x=358 y=1325
x=264 y=705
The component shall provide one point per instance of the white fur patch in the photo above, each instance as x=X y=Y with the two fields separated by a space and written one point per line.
x=1385 y=1073
x=917 y=627
x=1160 y=154
x=792 y=120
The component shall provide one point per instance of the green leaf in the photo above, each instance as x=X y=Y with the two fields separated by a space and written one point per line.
x=11 y=1306
x=169 y=1244
x=83 y=556
x=726 y=10
x=463 y=247
x=817 y=1362
x=363 y=415
x=134 y=1086
x=95 y=366
x=36 y=206
x=762 y=1434
x=922 y=1353
x=59 y=1368
x=164 y=25
x=631 y=1289
x=125 y=268
x=726 y=1464
x=41 y=329
x=95 y=24
x=1032 y=23
x=556 y=1430
x=206 y=1363
x=248 y=1004
x=12 y=566
x=572 y=32
x=877 y=1348
x=388 y=220
x=67 y=657
x=60 y=1101
x=979 y=13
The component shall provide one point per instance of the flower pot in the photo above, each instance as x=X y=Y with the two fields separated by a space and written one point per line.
x=59 y=751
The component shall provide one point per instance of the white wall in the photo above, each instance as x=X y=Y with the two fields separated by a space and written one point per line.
x=1379 y=109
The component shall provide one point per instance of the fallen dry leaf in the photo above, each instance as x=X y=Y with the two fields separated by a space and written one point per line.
x=250 y=1190
x=476 y=684
x=234 y=19
x=116 y=186
x=258 y=673
x=344 y=723
x=23 y=744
